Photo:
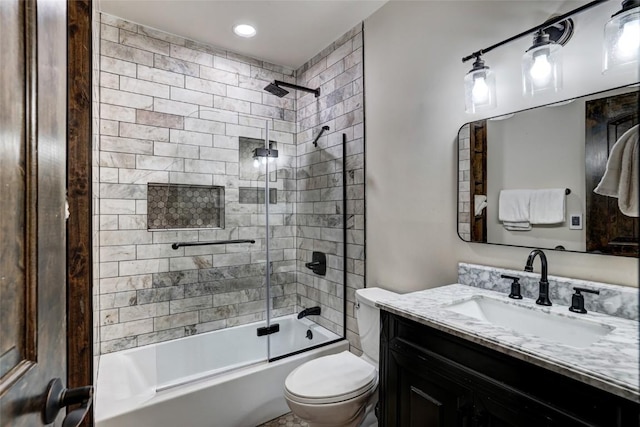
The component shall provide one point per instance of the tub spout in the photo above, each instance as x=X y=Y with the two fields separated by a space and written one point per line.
x=311 y=311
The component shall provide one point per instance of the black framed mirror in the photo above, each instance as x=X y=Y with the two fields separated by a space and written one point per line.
x=528 y=178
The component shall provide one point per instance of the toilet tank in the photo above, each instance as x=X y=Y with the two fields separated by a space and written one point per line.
x=368 y=316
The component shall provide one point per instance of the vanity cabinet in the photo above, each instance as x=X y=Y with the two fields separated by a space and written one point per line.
x=429 y=378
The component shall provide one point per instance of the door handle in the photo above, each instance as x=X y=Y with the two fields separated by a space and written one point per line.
x=58 y=397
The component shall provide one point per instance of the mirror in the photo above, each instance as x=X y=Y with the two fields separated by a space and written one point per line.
x=528 y=178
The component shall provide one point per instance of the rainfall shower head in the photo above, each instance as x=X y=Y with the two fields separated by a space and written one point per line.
x=275 y=88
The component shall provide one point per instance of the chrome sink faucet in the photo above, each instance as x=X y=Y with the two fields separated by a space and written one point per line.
x=543 y=296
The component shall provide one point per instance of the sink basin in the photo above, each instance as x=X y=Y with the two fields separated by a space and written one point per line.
x=547 y=326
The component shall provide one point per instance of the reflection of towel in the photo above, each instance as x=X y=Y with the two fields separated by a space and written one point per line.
x=516 y=226
x=513 y=209
x=513 y=205
x=621 y=176
x=547 y=206
x=479 y=202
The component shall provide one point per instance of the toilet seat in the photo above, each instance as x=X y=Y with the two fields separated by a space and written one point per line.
x=331 y=379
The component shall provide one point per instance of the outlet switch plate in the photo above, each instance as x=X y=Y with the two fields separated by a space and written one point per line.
x=575 y=222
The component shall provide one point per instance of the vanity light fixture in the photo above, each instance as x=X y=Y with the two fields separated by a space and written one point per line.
x=479 y=87
x=622 y=37
x=542 y=62
x=260 y=155
x=244 y=30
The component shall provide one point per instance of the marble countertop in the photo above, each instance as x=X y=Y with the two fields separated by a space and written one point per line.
x=611 y=363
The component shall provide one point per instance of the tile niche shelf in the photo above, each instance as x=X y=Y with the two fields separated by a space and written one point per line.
x=177 y=206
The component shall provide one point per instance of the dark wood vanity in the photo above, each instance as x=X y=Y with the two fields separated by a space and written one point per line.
x=434 y=379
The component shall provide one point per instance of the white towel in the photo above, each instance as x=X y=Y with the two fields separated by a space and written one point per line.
x=479 y=203
x=516 y=226
x=620 y=179
x=547 y=206
x=513 y=205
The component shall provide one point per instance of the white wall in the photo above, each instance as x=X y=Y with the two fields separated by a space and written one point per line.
x=521 y=154
x=414 y=108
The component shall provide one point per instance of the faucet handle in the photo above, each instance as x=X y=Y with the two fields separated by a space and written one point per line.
x=515 y=286
x=577 y=300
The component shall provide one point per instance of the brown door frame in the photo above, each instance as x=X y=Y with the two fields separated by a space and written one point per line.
x=79 y=194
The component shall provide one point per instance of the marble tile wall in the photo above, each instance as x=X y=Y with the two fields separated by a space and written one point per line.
x=464 y=182
x=172 y=112
x=338 y=72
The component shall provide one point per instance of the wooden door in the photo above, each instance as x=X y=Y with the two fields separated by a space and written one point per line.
x=608 y=231
x=32 y=206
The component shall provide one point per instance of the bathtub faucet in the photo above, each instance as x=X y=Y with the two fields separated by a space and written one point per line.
x=311 y=311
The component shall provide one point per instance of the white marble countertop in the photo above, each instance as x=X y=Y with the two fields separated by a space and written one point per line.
x=611 y=363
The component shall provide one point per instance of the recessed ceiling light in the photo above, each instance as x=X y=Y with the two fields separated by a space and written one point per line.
x=244 y=30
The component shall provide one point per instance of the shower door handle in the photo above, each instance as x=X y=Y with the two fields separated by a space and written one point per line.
x=58 y=397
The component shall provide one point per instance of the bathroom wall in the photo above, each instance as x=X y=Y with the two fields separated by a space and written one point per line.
x=338 y=72
x=414 y=109
x=559 y=145
x=173 y=111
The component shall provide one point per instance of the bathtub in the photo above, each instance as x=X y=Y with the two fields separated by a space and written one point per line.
x=215 y=379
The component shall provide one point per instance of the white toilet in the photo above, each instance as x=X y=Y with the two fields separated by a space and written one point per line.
x=340 y=390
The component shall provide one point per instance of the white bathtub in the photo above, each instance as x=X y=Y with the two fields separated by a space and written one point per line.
x=216 y=379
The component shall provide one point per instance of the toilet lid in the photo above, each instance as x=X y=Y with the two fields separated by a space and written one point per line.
x=331 y=377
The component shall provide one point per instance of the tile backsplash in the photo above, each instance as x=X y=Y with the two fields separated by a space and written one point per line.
x=614 y=300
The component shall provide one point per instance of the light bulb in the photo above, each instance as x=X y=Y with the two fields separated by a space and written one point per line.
x=541 y=70
x=629 y=42
x=479 y=88
x=264 y=160
x=256 y=163
x=480 y=91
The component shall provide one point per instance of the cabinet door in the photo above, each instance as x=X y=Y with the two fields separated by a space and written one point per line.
x=428 y=398
x=497 y=405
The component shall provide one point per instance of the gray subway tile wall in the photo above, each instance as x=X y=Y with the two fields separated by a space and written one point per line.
x=338 y=71
x=172 y=111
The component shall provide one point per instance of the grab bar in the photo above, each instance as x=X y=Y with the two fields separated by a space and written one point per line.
x=215 y=242
x=315 y=141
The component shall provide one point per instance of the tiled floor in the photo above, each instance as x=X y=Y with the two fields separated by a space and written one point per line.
x=287 y=420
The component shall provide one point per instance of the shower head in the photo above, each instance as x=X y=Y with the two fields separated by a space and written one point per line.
x=276 y=90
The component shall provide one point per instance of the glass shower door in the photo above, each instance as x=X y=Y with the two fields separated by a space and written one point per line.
x=218 y=274
x=306 y=246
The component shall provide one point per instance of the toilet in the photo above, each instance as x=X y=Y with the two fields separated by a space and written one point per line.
x=341 y=390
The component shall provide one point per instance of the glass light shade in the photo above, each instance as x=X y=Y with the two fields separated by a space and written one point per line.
x=479 y=90
x=622 y=40
x=542 y=69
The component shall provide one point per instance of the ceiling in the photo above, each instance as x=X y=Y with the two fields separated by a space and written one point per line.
x=289 y=32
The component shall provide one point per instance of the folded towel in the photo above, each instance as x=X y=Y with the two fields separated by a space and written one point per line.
x=516 y=226
x=620 y=179
x=479 y=203
x=547 y=206
x=513 y=205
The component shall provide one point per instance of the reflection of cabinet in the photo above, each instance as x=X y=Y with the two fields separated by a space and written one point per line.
x=432 y=379
x=608 y=231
